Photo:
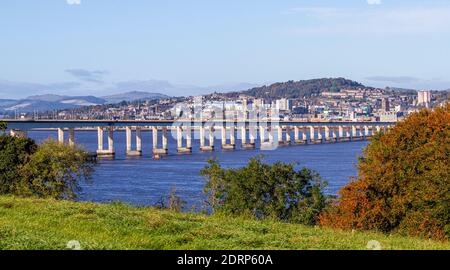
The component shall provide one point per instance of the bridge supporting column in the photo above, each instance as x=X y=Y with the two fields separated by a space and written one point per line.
x=354 y=136
x=251 y=144
x=100 y=139
x=296 y=135
x=304 y=136
x=366 y=132
x=225 y=145
x=312 y=135
x=319 y=134
x=270 y=133
x=340 y=133
x=202 y=137
x=262 y=135
x=327 y=134
x=251 y=131
x=203 y=146
x=61 y=135
x=71 y=136
x=180 y=148
x=101 y=152
x=130 y=151
x=288 y=134
x=163 y=150
x=138 y=140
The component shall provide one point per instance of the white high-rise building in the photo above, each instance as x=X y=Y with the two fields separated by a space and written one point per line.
x=424 y=98
x=283 y=104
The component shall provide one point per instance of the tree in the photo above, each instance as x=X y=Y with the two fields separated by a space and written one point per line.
x=403 y=182
x=3 y=126
x=55 y=171
x=275 y=191
x=15 y=152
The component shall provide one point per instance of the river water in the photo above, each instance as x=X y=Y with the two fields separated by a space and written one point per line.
x=143 y=181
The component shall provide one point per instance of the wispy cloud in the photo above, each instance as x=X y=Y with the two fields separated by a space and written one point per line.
x=374 y=2
x=95 y=76
x=379 y=22
x=73 y=2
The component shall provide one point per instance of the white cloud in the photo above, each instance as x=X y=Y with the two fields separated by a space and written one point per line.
x=73 y=2
x=374 y=2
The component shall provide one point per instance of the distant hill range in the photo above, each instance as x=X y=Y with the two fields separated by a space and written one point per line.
x=57 y=102
x=132 y=96
x=299 y=89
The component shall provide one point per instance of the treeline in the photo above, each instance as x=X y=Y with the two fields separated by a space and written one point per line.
x=300 y=89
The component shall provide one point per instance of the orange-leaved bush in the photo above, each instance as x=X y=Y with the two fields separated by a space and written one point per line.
x=403 y=182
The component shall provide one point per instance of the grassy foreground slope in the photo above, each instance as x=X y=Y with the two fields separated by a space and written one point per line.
x=50 y=224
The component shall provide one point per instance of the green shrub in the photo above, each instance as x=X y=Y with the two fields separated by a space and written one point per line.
x=55 y=170
x=50 y=170
x=261 y=190
x=15 y=152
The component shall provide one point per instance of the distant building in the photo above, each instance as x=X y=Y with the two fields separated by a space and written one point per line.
x=424 y=98
x=385 y=105
x=283 y=104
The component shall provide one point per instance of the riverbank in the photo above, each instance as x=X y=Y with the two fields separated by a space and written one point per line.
x=50 y=224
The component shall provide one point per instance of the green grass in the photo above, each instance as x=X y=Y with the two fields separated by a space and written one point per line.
x=49 y=224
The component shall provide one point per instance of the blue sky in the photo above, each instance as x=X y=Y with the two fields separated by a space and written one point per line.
x=97 y=47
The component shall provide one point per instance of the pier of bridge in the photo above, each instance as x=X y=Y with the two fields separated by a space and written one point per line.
x=275 y=134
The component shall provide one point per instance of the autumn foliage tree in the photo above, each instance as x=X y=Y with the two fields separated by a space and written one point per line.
x=404 y=181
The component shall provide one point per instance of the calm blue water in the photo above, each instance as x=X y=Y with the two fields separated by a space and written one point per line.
x=143 y=181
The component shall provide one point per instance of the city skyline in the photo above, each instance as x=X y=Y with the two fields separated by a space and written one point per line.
x=106 y=47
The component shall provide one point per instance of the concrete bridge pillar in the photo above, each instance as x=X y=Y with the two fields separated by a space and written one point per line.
x=100 y=139
x=71 y=136
x=341 y=133
x=163 y=150
x=138 y=140
x=252 y=135
x=354 y=133
x=101 y=152
x=312 y=135
x=180 y=148
x=279 y=134
x=202 y=137
x=327 y=133
x=203 y=146
x=288 y=134
x=319 y=134
x=211 y=138
x=262 y=134
x=296 y=134
x=128 y=138
x=224 y=135
x=304 y=136
x=270 y=133
x=232 y=135
x=366 y=132
x=130 y=151
x=244 y=135
x=188 y=137
x=60 y=135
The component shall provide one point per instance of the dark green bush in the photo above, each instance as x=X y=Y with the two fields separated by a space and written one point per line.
x=50 y=170
x=275 y=191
